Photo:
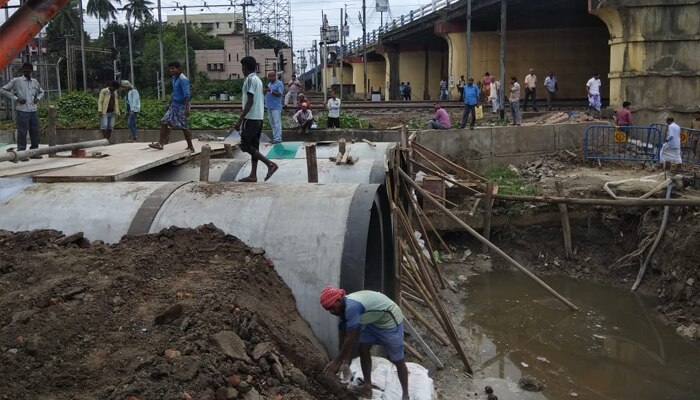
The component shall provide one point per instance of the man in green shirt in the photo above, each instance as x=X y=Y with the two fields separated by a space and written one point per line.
x=372 y=318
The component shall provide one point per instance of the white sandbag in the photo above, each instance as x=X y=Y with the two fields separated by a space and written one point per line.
x=384 y=377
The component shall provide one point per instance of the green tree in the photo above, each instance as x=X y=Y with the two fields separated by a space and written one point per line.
x=265 y=41
x=103 y=10
x=139 y=10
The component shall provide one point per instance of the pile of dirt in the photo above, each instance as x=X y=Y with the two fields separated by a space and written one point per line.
x=182 y=314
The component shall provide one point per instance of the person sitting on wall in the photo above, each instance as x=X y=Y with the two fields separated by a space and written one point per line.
x=441 y=120
x=304 y=118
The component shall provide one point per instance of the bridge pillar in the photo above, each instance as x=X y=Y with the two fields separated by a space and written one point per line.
x=376 y=75
x=654 y=56
x=391 y=55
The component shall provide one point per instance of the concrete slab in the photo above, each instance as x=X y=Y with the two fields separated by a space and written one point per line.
x=124 y=160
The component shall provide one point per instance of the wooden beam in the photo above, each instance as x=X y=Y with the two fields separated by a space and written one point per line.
x=690 y=202
x=311 y=163
x=565 y=226
x=488 y=207
x=204 y=163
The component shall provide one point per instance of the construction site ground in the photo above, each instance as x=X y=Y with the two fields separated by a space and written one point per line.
x=182 y=314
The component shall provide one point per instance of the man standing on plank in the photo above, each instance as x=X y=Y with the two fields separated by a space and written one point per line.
x=372 y=318
x=178 y=110
x=250 y=122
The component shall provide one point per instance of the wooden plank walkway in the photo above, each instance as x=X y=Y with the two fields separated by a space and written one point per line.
x=124 y=160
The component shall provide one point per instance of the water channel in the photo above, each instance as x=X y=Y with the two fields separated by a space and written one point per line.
x=613 y=348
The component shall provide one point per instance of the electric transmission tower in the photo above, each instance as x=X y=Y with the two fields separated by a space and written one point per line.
x=272 y=17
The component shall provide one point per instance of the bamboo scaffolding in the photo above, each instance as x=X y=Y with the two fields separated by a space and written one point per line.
x=480 y=238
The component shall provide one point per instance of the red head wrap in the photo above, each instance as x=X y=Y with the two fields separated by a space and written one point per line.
x=329 y=295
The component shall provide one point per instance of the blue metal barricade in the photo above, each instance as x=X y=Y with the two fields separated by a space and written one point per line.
x=690 y=143
x=628 y=143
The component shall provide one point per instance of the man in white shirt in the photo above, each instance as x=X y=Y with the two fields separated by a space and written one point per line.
x=333 y=106
x=531 y=90
x=671 y=149
x=250 y=123
x=26 y=91
x=593 y=91
x=294 y=88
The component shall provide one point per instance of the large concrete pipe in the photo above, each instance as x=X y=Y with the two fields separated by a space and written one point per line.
x=325 y=150
x=23 y=25
x=292 y=170
x=315 y=234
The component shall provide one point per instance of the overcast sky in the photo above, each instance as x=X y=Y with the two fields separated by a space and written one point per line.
x=306 y=15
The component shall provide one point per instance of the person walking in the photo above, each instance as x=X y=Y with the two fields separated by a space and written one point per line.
x=671 y=149
x=593 y=92
x=514 y=99
x=133 y=108
x=294 y=87
x=108 y=108
x=27 y=92
x=273 y=103
x=444 y=94
x=471 y=100
x=441 y=120
x=370 y=318
x=178 y=110
x=250 y=123
x=531 y=90
x=551 y=86
x=494 y=95
x=460 y=87
x=333 y=107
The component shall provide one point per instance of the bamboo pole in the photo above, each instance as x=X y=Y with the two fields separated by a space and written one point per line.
x=432 y=227
x=412 y=269
x=565 y=226
x=694 y=202
x=488 y=243
x=445 y=177
x=432 y=164
x=413 y=351
x=425 y=323
x=415 y=247
x=424 y=233
x=488 y=206
x=412 y=331
x=454 y=166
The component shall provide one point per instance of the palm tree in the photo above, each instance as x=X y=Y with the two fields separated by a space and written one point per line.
x=103 y=10
x=140 y=10
x=67 y=20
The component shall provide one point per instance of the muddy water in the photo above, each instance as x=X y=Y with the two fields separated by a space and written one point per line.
x=612 y=349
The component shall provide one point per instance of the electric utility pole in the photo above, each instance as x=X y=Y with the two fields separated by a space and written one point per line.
x=161 y=83
x=82 y=46
x=364 y=47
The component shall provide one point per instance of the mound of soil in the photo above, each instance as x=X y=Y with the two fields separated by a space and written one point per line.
x=182 y=314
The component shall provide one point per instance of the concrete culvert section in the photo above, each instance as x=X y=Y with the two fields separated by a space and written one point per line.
x=290 y=171
x=178 y=314
x=315 y=235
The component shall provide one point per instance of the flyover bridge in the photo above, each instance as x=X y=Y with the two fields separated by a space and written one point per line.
x=645 y=50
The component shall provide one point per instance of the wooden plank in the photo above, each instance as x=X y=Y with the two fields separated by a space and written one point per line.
x=37 y=167
x=311 y=163
x=125 y=159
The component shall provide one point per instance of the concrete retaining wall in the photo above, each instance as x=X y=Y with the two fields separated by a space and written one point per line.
x=485 y=149
x=480 y=150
